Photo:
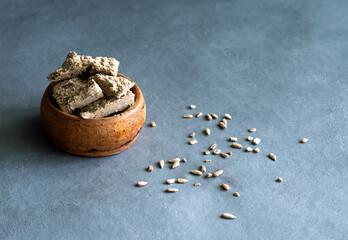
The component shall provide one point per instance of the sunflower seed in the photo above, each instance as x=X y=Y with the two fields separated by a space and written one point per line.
x=170 y=181
x=272 y=156
x=279 y=179
x=199 y=114
x=252 y=130
x=196 y=172
x=173 y=160
x=236 y=145
x=227 y=116
x=182 y=180
x=208 y=117
x=153 y=124
x=225 y=186
x=236 y=194
x=141 y=183
x=256 y=141
x=218 y=173
x=249 y=138
x=229 y=153
x=206 y=152
x=197 y=184
x=209 y=175
x=161 y=163
x=233 y=139
x=213 y=146
x=188 y=116
x=192 y=106
x=304 y=140
x=224 y=155
x=256 y=150
x=222 y=125
x=224 y=121
x=149 y=168
x=248 y=149
x=203 y=169
x=184 y=160
x=191 y=135
x=176 y=164
x=207 y=131
x=217 y=151
x=208 y=160
x=228 y=216
x=193 y=141
x=172 y=190
x=214 y=115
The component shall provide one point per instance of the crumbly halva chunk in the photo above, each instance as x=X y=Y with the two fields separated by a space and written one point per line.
x=74 y=65
x=107 y=105
x=104 y=65
x=113 y=86
x=76 y=93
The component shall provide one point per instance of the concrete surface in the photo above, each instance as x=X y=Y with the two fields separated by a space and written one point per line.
x=279 y=66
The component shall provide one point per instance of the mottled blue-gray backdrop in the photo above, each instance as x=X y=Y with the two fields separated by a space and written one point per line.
x=279 y=66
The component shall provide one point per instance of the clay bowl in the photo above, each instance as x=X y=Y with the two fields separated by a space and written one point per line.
x=96 y=137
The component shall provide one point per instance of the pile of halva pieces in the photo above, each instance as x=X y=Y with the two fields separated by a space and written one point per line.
x=90 y=88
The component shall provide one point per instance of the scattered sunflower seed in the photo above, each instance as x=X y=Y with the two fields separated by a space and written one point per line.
x=206 y=152
x=192 y=106
x=228 y=216
x=193 y=141
x=217 y=151
x=153 y=124
x=188 y=116
x=184 y=160
x=218 y=173
x=236 y=145
x=256 y=141
x=233 y=139
x=199 y=114
x=170 y=181
x=224 y=121
x=149 y=168
x=222 y=125
x=191 y=135
x=272 y=156
x=236 y=194
x=196 y=172
x=172 y=190
x=279 y=179
x=197 y=184
x=208 y=160
x=248 y=149
x=252 y=130
x=173 y=160
x=213 y=146
x=209 y=175
x=227 y=116
x=141 y=183
x=208 y=117
x=249 y=138
x=304 y=140
x=182 y=180
x=256 y=150
x=229 y=153
x=214 y=115
x=225 y=186
x=207 y=131
x=176 y=164
x=224 y=155
x=203 y=169
x=161 y=163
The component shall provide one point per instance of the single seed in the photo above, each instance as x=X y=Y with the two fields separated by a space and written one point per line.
x=153 y=124
x=199 y=114
x=218 y=173
x=236 y=145
x=304 y=140
x=236 y=194
x=248 y=149
x=192 y=106
x=228 y=216
x=161 y=163
x=184 y=160
x=272 y=156
x=217 y=151
x=173 y=160
x=233 y=139
x=227 y=116
x=279 y=179
x=170 y=181
x=208 y=160
x=214 y=115
x=249 y=138
x=188 y=116
x=229 y=153
x=208 y=117
x=196 y=172
x=141 y=183
x=176 y=164
x=206 y=152
x=222 y=125
x=224 y=121
x=225 y=186
x=207 y=131
x=256 y=141
x=252 y=130
x=191 y=135
x=224 y=155
x=197 y=184
x=149 y=168
x=256 y=150
x=193 y=141
x=172 y=190
x=203 y=169
x=213 y=146
x=209 y=175
x=182 y=180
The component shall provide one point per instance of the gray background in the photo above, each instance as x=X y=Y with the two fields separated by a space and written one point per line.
x=279 y=66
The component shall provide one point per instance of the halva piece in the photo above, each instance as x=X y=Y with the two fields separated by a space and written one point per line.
x=76 y=93
x=113 y=86
x=107 y=105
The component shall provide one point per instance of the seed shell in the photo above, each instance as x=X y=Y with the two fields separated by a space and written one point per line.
x=236 y=145
x=141 y=183
x=218 y=173
x=228 y=216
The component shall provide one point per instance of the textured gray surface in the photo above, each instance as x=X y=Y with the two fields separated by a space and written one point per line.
x=279 y=66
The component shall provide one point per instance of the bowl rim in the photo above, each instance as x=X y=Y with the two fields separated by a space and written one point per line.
x=135 y=89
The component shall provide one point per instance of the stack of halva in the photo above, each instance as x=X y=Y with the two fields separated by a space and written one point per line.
x=90 y=88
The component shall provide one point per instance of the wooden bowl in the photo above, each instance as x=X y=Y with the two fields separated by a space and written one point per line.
x=96 y=137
